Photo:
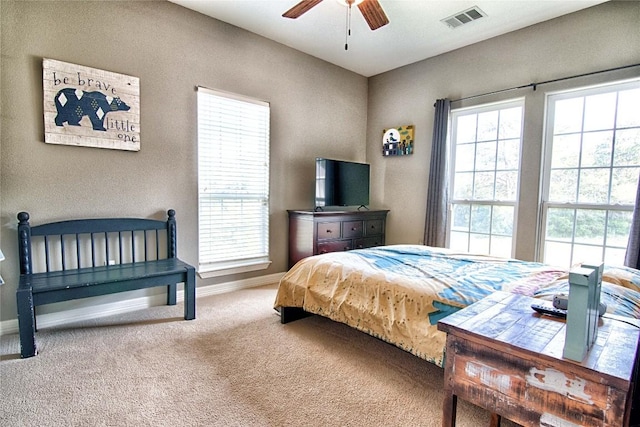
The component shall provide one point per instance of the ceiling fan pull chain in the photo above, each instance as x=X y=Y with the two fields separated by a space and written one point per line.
x=348 y=32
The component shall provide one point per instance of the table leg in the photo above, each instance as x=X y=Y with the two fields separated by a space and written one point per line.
x=495 y=420
x=450 y=399
x=449 y=409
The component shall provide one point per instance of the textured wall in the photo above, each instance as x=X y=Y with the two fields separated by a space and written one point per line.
x=602 y=37
x=171 y=50
x=314 y=104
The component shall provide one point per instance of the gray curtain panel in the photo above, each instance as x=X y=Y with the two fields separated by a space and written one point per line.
x=632 y=258
x=436 y=220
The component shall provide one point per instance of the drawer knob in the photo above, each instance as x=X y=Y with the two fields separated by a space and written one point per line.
x=329 y=231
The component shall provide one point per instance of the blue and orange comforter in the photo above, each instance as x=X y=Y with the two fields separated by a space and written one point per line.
x=398 y=293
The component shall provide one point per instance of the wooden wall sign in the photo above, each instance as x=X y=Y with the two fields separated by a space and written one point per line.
x=90 y=107
x=397 y=141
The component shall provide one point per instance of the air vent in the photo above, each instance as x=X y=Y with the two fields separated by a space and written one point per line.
x=464 y=17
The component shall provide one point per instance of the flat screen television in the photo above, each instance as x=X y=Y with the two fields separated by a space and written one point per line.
x=341 y=183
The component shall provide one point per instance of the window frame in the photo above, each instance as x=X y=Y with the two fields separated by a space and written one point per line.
x=479 y=109
x=551 y=98
x=212 y=266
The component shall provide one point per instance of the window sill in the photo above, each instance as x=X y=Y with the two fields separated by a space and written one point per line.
x=225 y=269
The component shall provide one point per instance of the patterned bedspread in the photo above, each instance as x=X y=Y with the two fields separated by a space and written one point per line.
x=398 y=293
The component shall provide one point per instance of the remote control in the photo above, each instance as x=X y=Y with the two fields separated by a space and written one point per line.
x=551 y=311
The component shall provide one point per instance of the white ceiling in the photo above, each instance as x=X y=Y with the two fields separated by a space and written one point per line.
x=413 y=34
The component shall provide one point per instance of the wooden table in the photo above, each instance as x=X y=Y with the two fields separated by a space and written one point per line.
x=506 y=358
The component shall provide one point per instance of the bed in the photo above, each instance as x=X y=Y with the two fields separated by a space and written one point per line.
x=398 y=293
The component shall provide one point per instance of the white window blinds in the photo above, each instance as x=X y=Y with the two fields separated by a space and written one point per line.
x=233 y=182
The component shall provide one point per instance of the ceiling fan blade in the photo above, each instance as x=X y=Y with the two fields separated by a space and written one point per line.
x=300 y=8
x=373 y=14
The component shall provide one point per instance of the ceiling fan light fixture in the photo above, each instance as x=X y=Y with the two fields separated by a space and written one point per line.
x=371 y=11
x=345 y=3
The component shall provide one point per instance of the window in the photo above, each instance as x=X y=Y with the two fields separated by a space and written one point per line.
x=233 y=183
x=485 y=148
x=592 y=163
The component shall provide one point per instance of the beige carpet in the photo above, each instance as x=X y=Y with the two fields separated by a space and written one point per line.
x=235 y=365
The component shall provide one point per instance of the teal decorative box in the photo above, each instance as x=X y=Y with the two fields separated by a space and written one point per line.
x=582 y=312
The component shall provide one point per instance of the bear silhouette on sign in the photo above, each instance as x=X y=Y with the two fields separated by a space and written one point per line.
x=72 y=104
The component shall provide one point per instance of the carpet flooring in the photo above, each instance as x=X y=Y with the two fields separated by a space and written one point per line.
x=235 y=365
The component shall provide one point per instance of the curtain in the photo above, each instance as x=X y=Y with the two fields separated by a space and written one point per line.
x=436 y=219
x=632 y=258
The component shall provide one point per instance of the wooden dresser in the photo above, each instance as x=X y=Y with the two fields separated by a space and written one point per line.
x=313 y=233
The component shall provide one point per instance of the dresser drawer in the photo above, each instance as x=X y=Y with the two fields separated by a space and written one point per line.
x=369 y=242
x=352 y=229
x=334 y=246
x=374 y=227
x=328 y=230
x=314 y=232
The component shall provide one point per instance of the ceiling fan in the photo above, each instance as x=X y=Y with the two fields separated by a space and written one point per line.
x=370 y=9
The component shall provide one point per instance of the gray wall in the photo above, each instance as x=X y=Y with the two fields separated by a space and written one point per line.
x=172 y=50
x=602 y=37
x=313 y=103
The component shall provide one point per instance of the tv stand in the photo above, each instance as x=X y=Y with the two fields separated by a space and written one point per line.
x=312 y=232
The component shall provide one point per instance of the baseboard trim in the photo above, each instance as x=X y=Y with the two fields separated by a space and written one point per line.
x=95 y=311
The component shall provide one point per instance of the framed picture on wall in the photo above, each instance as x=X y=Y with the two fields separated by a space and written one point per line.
x=88 y=107
x=397 y=141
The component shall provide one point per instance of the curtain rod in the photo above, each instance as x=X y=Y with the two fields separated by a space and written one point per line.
x=535 y=85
